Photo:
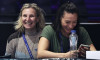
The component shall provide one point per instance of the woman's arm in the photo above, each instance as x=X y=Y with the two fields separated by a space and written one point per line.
x=44 y=53
x=11 y=48
x=92 y=48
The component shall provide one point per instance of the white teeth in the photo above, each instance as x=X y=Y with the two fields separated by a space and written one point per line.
x=28 y=23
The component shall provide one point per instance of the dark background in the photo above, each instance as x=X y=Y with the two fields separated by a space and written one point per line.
x=89 y=13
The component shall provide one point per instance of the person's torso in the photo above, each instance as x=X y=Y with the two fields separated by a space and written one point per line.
x=55 y=44
x=21 y=49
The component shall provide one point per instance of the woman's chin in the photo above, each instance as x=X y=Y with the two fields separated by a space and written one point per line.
x=68 y=32
x=28 y=28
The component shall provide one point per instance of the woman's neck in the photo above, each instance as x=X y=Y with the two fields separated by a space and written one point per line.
x=64 y=33
x=30 y=32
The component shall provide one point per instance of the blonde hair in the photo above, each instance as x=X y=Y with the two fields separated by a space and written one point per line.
x=39 y=13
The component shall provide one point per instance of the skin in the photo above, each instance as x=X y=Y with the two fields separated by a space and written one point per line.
x=82 y=50
x=29 y=18
x=68 y=22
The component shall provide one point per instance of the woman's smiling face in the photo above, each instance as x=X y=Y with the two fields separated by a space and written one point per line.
x=29 y=18
x=68 y=22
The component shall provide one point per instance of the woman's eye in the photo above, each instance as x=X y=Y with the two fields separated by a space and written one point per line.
x=24 y=15
x=32 y=16
x=75 y=22
x=67 y=22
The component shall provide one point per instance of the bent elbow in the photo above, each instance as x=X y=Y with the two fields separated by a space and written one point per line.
x=39 y=55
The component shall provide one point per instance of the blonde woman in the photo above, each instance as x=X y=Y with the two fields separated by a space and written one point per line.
x=23 y=43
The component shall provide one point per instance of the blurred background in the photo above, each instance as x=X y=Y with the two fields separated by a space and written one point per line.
x=89 y=11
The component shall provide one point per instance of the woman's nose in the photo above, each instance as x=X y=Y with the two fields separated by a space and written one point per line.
x=27 y=18
x=71 y=26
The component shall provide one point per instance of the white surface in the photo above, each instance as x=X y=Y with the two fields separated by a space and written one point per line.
x=92 y=54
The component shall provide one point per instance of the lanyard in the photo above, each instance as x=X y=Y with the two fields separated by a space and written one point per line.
x=29 y=51
x=61 y=43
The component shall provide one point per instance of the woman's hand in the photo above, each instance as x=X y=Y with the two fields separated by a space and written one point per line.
x=82 y=51
x=72 y=54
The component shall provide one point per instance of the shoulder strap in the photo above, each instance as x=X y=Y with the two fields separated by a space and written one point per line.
x=29 y=51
